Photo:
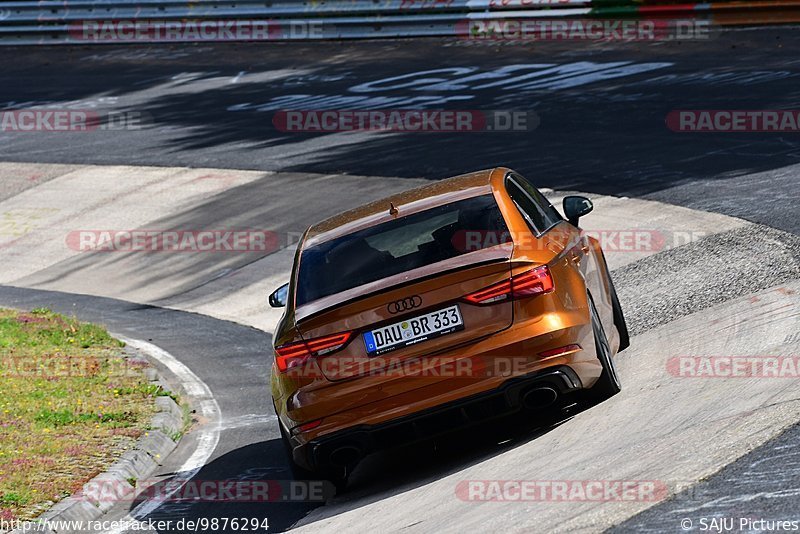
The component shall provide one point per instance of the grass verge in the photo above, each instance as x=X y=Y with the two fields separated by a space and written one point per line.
x=70 y=405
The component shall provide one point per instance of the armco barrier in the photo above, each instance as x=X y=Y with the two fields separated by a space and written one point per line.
x=63 y=22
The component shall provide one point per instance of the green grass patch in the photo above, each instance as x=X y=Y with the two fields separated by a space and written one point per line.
x=70 y=405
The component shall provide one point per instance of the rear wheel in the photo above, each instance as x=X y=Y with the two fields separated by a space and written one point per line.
x=619 y=318
x=337 y=477
x=608 y=384
x=298 y=472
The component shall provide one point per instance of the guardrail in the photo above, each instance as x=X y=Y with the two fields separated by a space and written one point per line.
x=67 y=21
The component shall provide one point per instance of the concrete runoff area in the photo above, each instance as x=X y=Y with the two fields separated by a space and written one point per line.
x=684 y=286
x=39 y=252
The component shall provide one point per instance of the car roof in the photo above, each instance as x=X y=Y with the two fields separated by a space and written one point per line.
x=414 y=200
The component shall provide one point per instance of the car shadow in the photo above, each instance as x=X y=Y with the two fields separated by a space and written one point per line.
x=411 y=466
x=262 y=490
x=252 y=484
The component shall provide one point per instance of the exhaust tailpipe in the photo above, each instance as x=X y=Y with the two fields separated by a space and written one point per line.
x=539 y=397
x=345 y=456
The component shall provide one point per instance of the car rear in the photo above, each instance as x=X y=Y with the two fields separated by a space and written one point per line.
x=425 y=308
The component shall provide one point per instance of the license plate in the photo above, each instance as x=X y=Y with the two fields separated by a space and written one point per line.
x=414 y=330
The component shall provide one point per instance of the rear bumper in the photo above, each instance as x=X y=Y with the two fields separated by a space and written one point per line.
x=502 y=401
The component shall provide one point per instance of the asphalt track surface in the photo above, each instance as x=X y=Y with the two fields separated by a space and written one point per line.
x=762 y=484
x=601 y=111
x=598 y=135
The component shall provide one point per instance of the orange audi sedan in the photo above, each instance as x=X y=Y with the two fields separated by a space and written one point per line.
x=444 y=306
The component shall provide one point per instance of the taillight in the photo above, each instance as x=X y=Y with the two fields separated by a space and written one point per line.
x=561 y=351
x=534 y=282
x=297 y=353
x=305 y=427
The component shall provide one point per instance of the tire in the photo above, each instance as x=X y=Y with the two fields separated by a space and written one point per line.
x=608 y=384
x=619 y=318
x=298 y=472
x=338 y=478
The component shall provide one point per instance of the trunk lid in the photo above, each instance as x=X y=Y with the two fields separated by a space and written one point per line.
x=402 y=319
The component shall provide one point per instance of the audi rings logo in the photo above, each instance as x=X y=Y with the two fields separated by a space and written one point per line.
x=406 y=304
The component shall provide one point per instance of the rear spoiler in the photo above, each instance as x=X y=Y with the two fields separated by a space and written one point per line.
x=496 y=254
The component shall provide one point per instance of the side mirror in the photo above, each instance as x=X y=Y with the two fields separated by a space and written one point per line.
x=278 y=297
x=576 y=207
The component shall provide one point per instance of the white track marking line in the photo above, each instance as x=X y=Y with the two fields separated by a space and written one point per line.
x=207 y=441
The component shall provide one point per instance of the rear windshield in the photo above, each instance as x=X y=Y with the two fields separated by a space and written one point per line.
x=400 y=245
